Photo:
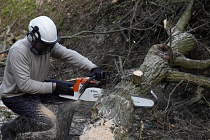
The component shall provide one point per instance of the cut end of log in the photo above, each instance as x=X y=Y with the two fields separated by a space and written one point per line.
x=138 y=73
x=137 y=76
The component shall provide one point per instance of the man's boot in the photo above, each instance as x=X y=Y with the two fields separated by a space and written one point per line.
x=7 y=132
x=10 y=129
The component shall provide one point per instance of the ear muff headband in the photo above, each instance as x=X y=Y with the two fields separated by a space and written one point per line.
x=34 y=34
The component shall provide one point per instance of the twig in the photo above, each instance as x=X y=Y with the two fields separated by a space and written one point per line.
x=205 y=46
x=134 y=12
x=197 y=98
x=141 y=129
x=125 y=36
x=13 y=22
x=121 y=67
x=170 y=97
x=206 y=100
x=198 y=27
x=158 y=119
x=5 y=51
x=2 y=63
x=105 y=32
x=118 y=69
x=90 y=32
x=4 y=45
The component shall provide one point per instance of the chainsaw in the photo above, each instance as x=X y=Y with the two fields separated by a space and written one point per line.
x=88 y=89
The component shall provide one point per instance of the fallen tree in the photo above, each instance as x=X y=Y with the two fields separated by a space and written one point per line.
x=112 y=114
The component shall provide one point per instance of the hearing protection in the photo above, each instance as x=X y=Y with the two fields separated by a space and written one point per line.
x=34 y=34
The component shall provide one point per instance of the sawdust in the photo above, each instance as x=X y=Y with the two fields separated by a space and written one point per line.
x=100 y=132
x=47 y=112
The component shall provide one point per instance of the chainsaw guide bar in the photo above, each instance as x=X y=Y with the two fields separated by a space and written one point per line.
x=142 y=102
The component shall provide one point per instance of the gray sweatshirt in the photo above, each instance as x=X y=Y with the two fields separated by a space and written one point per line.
x=25 y=72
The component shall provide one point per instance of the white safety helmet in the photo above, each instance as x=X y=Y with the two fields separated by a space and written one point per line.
x=43 y=29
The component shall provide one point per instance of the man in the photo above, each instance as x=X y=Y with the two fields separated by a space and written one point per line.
x=24 y=85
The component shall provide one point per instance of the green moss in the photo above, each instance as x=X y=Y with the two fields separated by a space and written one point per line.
x=16 y=8
x=7 y=114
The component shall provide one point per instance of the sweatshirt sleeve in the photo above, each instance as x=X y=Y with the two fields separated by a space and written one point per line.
x=21 y=72
x=71 y=57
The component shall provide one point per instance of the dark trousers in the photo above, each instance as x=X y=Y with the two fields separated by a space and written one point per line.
x=32 y=109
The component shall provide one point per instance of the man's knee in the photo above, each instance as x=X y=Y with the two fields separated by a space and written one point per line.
x=43 y=123
x=46 y=124
x=46 y=119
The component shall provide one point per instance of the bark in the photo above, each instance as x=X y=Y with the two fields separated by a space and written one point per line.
x=64 y=115
x=113 y=112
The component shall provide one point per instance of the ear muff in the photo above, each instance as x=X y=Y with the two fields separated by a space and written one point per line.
x=30 y=37
x=34 y=50
x=34 y=34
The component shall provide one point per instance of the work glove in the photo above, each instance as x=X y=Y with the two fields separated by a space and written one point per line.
x=97 y=72
x=64 y=88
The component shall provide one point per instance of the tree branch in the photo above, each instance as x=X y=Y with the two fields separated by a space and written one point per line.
x=184 y=62
x=5 y=51
x=176 y=76
x=184 y=19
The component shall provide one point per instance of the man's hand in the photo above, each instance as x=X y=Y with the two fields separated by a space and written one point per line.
x=98 y=73
x=63 y=88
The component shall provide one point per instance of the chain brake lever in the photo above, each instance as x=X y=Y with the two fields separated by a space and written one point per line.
x=86 y=84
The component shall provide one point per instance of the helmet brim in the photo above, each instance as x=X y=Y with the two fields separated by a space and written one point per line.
x=53 y=42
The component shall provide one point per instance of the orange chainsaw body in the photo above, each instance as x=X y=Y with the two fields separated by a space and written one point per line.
x=80 y=81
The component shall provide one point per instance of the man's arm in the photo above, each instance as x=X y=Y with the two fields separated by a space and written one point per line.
x=72 y=57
